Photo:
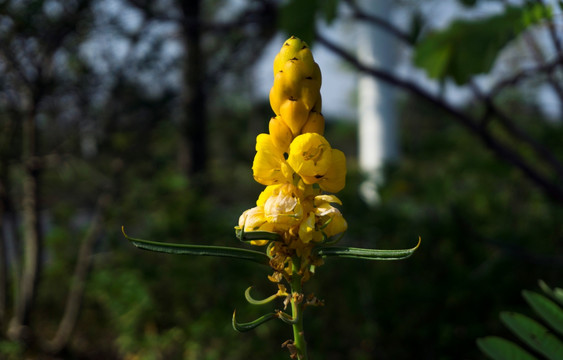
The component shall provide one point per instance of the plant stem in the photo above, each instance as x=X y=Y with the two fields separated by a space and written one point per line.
x=297 y=311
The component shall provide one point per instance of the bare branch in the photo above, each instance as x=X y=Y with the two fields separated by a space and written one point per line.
x=381 y=23
x=516 y=132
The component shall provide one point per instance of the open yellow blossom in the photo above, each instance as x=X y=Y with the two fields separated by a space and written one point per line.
x=282 y=206
x=335 y=178
x=269 y=165
x=330 y=215
x=254 y=220
x=310 y=155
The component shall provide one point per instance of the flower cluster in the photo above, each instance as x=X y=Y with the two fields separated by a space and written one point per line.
x=297 y=165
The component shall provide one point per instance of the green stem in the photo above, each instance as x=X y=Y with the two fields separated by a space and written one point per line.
x=297 y=311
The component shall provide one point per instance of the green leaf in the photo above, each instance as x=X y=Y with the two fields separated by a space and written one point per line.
x=329 y=9
x=556 y=294
x=253 y=301
x=247 y=236
x=243 y=327
x=365 y=254
x=201 y=250
x=534 y=335
x=470 y=47
x=549 y=311
x=498 y=348
x=297 y=18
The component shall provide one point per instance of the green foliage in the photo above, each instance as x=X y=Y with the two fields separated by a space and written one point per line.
x=470 y=47
x=297 y=17
x=529 y=331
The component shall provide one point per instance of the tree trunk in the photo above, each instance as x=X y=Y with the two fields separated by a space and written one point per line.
x=3 y=254
x=19 y=325
x=377 y=128
x=78 y=284
x=193 y=149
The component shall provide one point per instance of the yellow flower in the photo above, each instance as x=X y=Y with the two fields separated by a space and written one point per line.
x=254 y=220
x=269 y=165
x=335 y=178
x=282 y=206
x=310 y=155
x=329 y=214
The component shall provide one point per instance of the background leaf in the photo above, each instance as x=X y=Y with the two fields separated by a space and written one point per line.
x=298 y=18
x=501 y=349
x=534 y=334
x=549 y=311
x=470 y=47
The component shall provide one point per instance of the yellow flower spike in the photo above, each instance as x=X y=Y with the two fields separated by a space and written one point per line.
x=315 y=124
x=295 y=115
x=280 y=133
x=335 y=178
x=310 y=155
x=289 y=50
x=269 y=166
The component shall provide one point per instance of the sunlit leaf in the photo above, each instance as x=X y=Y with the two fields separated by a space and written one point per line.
x=549 y=311
x=243 y=327
x=200 y=250
x=534 y=335
x=500 y=349
x=365 y=254
x=470 y=47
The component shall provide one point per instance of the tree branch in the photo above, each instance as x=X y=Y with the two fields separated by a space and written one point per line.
x=78 y=285
x=516 y=132
x=551 y=189
x=360 y=14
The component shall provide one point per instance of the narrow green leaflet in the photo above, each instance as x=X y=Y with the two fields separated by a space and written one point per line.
x=556 y=294
x=253 y=301
x=534 y=334
x=365 y=254
x=201 y=250
x=498 y=348
x=247 y=236
x=243 y=327
x=549 y=311
x=470 y=47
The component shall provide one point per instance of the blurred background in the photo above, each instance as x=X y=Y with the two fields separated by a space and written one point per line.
x=145 y=113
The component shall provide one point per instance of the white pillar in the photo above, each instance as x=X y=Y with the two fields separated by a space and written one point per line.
x=377 y=128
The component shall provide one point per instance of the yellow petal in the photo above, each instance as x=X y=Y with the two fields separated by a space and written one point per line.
x=280 y=134
x=310 y=156
x=267 y=165
x=307 y=228
x=335 y=178
x=332 y=199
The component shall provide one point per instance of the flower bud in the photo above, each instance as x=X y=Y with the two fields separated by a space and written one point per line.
x=280 y=133
x=295 y=115
x=315 y=124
